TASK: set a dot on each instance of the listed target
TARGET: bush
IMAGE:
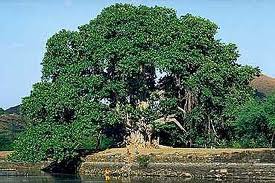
(55, 142)
(5, 142)
(143, 160)
(254, 125)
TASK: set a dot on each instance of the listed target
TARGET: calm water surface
(61, 178)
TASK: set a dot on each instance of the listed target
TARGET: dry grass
(183, 155)
(180, 151)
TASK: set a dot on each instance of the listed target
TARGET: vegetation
(2, 111)
(13, 110)
(10, 127)
(265, 85)
(134, 71)
(255, 123)
(143, 160)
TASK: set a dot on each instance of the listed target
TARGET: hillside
(13, 110)
(264, 84)
(10, 126)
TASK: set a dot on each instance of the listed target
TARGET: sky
(25, 26)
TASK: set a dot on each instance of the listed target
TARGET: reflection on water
(61, 178)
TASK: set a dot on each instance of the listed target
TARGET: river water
(62, 178)
(41, 177)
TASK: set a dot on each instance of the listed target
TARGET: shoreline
(256, 164)
(189, 163)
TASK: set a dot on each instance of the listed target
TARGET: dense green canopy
(133, 68)
(255, 123)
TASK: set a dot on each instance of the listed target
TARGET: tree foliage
(255, 123)
(124, 71)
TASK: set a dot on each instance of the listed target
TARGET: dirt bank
(217, 163)
(13, 168)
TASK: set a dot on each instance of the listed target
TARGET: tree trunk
(190, 100)
(272, 139)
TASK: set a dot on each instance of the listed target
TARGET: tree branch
(171, 118)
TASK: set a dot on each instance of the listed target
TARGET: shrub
(143, 160)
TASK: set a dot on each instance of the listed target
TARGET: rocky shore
(196, 163)
(256, 164)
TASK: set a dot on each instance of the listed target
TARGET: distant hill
(264, 84)
(13, 110)
(10, 126)
(2, 111)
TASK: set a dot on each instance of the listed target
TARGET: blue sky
(27, 24)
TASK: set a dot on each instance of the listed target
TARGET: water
(62, 178)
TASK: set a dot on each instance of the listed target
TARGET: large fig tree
(133, 70)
